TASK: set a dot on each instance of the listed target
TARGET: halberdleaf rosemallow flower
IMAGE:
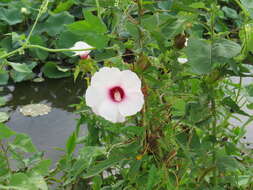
(115, 94)
(182, 60)
(82, 45)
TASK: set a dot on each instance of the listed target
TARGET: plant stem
(43, 48)
(41, 11)
(214, 133)
(244, 10)
(213, 103)
(57, 50)
(139, 3)
(98, 8)
(239, 90)
(11, 53)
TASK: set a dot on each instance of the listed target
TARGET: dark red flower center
(116, 93)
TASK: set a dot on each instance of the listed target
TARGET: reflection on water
(58, 93)
(47, 131)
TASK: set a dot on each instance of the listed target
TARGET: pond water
(51, 130)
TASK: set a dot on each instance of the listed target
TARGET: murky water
(51, 130)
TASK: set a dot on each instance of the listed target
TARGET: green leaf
(4, 77)
(230, 13)
(227, 101)
(95, 22)
(41, 54)
(22, 76)
(67, 39)
(95, 39)
(21, 180)
(227, 163)
(4, 166)
(12, 15)
(90, 152)
(248, 5)
(246, 36)
(42, 167)
(80, 27)
(23, 68)
(3, 117)
(24, 143)
(200, 62)
(71, 143)
(50, 70)
(64, 6)
(2, 101)
(97, 183)
(152, 178)
(165, 5)
(117, 155)
(92, 30)
(198, 5)
(30, 181)
(226, 49)
(55, 23)
(5, 132)
(38, 181)
(132, 29)
(101, 166)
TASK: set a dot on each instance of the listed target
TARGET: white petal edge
(109, 111)
(182, 60)
(132, 104)
(95, 96)
(130, 81)
(107, 77)
(81, 45)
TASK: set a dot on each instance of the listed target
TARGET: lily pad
(39, 79)
(3, 117)
(35, 110)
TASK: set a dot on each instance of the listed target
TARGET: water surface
(51, 130)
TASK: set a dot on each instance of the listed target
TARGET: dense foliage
(182, 139)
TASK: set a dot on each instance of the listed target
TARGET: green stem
(9, 187)
(98, 8)
(245, 11)
(213, 103)
(57, 50)
(41, 11)
(11, 53)
(214, 133)
(239, 90)
(139, 3)
(42, 48)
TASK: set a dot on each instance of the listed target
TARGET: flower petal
(120, 118)
(109, 110)
(132, 104)
(106, 77)
(182, 60)
(130, 81)
(94, 96)
(81, 45)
